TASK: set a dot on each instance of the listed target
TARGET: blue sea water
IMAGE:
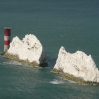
(73, 24)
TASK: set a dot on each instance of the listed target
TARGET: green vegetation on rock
(71, 77)
(16, 58)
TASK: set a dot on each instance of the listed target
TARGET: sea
(73, 24)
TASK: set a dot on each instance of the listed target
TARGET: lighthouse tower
(7, 34)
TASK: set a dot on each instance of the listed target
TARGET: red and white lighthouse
(7, 34)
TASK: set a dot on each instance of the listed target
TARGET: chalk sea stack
(77, 67)
(28, 51)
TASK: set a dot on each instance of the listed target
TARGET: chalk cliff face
(77, 66)
(28, 50)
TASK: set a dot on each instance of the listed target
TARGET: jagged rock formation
(77, 67)
(28, 51)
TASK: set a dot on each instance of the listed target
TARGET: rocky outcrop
(78, 67)
(27, 51)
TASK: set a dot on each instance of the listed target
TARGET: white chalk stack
(29, 50)
(77, 66)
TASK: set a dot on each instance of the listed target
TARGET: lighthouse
(7, 34)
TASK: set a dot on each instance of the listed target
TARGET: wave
(70, 81)
(12, 62)
(55, 81)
